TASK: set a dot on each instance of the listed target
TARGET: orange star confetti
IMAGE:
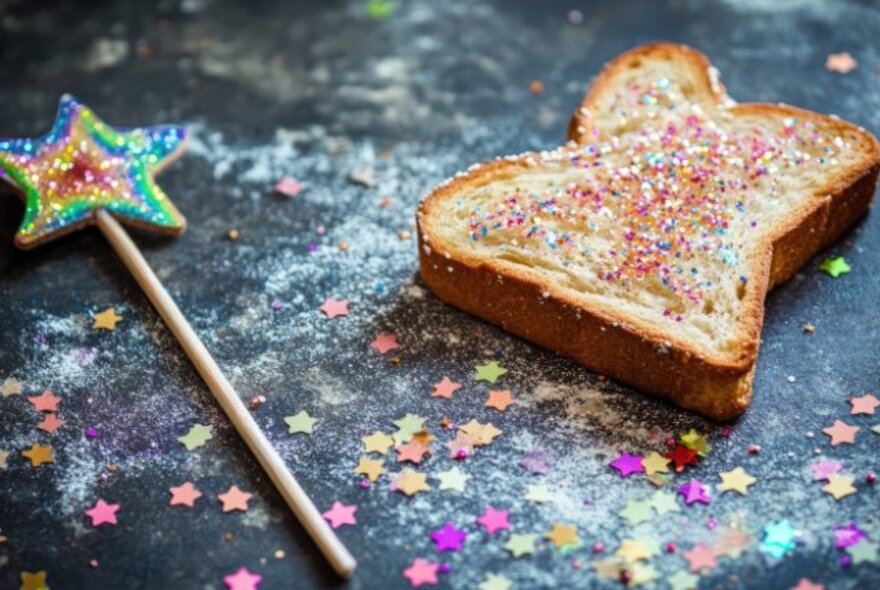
(106, 320)
(500, 400)
(234, 499)
(562, 535)
(481, 434)
(39, 454)
(461, 447)
(410, 482)
(372, 468)
(50, 423)
(412, 451)
(45, 402)
(378, 442)
(841, 432)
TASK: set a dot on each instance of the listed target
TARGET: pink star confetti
(824, 469)
(333, 308)
(448, 538)
(385, 342)
(445, 388)
(806, 584)
(102, 513)
(694, 491)
(842, 63)
(50, 423)
(421, 572)
(700, 558)
(865, 404)
(340, 514)
(289, 187)
(494, 520)
(184, 495)
(45, 402)
(841, 432)
(243, 579)
(628, 464)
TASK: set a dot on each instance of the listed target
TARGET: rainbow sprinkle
(666, 192)
(83, 165)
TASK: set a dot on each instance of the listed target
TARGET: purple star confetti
(628, 464)
(694, 491)
(849, 535)
(448, 538)
(536, 462)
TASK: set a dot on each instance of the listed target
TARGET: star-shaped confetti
(38, 454)
(654, 462)
(737, 480)
(102, 513)
(731, 542)
(410, 482)
(289, 187)
(681, 457)
(520, 545)
(340, 514)
(627, 464)
(849, 535)
(841, 432)
(300, 423)
(481, 434)
(664, 502)
(824, 469)
(636, 511)
(835, 267)
(185, 494)
(700, 558)
(453, 479)
(385, 342)
(33, 581)
(333, 308)
(489, 372)
(445, 388)
(4, 456)
(839, 486)
(500, 400)
(682, 580)
(863, 552)
(45, 402)
(372, 468)
(807, 584)
(865, 404)
(779, 538)
(11, 387)
(537, 493)
(377, 442)
(234, 499)
(633, 550)
(412, 452)
(421, 572)
(449, 538)
(242, 579)
(197, 436)
(461, 447)
(106, 320)
(696, 441)
(562, 535)
(50, 423)
(694, 491)
(407, 427)
(494, 520)
(495, 582)
(842, 63)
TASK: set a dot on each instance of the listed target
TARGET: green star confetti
(835, 267)
(664, 502)
(520, 545)
(490, 372)
(197, 436)
(863, 552)
(300, 423)
(453, 479)
(637, 511)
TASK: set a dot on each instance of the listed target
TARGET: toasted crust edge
(616, 345)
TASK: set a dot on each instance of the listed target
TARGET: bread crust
(623, 347)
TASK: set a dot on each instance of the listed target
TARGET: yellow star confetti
(378, 442)
(197, 436)
(372, 468)
(11, 387)
(4, 455)
(33, 581)
(633, 550)
(654, 462)
(520, 545)
(839, 486)
(106, 320)
(562, 535)
(737, 480)
(696, 441)
(481, 434)
(300, 423)
(642, 574)
(38, 454)
(410, 482)
(495, 582)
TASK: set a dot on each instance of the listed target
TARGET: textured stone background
(316, 90)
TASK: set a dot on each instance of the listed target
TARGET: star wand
(85, 172)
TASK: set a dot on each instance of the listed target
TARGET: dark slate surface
(317, 90)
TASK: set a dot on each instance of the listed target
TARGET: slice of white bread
(645, 247)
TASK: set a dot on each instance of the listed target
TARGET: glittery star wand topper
(86, 172)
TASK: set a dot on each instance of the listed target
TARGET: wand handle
(301, 505)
